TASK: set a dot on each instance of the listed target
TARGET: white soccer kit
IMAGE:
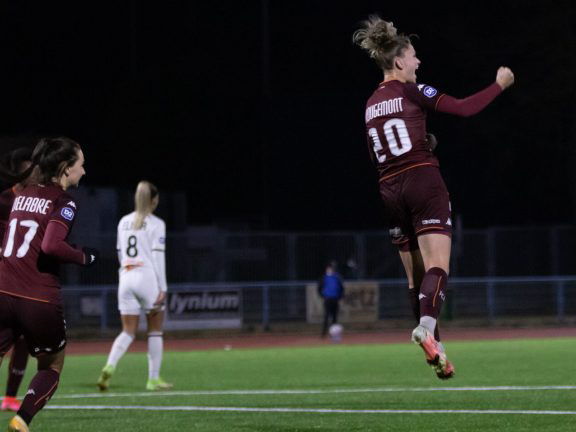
(142, 273)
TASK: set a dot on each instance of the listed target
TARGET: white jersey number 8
(405, 144)
(32, 227)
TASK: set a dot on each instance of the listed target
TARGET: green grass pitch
(326, 388)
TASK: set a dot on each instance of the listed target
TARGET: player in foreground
(16, 161)
(416, 200)
(142, 286)
(34, 245)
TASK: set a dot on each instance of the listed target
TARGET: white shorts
(137, 290)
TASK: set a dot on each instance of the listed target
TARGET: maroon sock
(41, 389)
(433, 292)
(415, 303)
(17, 367)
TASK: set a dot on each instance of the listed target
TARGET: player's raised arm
(478, 101)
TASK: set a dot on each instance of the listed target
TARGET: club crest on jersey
(67, 213)
(429, 91)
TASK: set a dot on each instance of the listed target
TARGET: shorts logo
(430, 91)
(430, 221)
(67, 213)
(71, 204)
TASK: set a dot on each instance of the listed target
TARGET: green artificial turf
(351, 378)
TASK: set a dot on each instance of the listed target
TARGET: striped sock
(41, 389)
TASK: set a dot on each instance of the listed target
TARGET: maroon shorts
(41, 324)
(416, 202)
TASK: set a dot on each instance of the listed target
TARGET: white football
(335, 330)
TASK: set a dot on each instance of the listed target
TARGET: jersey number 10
(392, 128)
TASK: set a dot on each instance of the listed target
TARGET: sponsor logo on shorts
(30, 392)
(430, 221)
(429, 91)
(421, 296)
(449, 222)
(67, 213)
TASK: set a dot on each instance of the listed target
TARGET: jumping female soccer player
(415, 197)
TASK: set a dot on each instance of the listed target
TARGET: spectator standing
(331, 289)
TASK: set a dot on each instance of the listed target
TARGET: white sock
(155, 348)
(119, 348)
(428, 322)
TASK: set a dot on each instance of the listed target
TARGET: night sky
(262, 119)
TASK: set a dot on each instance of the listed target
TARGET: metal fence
(266, 303)
(496, 273)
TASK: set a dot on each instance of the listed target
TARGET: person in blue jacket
(331, 289)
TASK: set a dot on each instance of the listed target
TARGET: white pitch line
(303, 392)
(300, 410)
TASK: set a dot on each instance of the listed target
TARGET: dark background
(255, 108)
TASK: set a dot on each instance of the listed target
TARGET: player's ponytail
(144, 204)
(381, 41)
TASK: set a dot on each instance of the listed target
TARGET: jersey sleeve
(471, 105)
(118, 245)
(424, 96)
(59, 225)
(54, 243)
(64, 211)
(158, 242)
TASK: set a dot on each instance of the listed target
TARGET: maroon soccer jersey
(25, 271)
(6, 199)
(396, 126)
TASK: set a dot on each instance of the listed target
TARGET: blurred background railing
(267, 278)
(263, 304)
